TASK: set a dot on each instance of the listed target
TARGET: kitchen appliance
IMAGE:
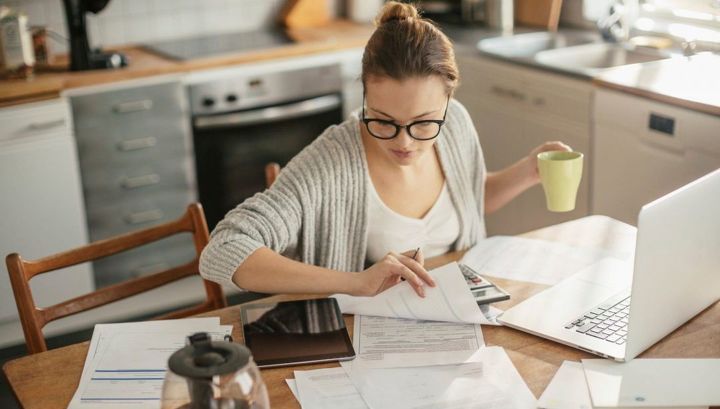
(221, 44)
(244, 121)
(81, 56)
(209, 374)
(41, 210)
(454, 11)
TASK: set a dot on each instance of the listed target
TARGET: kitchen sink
(591, 58)
(527, 45)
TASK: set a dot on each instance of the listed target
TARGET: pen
(413, 257)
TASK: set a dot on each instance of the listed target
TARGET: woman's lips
(401, 154)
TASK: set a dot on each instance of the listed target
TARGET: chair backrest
(272, 170)
(33, 319)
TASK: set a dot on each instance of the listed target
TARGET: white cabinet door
(41, 210)
(515, 109)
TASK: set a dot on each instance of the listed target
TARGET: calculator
(482, 289)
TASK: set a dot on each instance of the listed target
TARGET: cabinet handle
(137, 143)
(133, 106)
(39, 126)
(140, 181)
(505, 92)
(144, 217)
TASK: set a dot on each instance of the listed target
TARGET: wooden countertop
(692, 83)
(48, 83)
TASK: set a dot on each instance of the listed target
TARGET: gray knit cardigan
(316, 211)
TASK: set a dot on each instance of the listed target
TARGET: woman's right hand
(392, 269)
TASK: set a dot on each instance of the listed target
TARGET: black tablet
(296, 332)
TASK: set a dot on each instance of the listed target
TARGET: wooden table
(49, 379)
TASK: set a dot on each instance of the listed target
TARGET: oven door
(232, 149)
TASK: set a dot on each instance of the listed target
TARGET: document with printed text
(383, 342)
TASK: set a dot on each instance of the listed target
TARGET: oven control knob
(231, 98)
(208, 102)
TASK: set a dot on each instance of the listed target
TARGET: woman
(405, 173)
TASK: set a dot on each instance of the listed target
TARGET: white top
(390, 231)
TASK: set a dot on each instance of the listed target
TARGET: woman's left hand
(531, 160)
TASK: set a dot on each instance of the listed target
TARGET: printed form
(126, 363)
(382, 342)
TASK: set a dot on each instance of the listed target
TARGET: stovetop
(220, 44)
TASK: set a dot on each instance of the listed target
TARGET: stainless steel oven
(242, 123)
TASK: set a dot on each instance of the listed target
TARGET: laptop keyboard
(608, 321)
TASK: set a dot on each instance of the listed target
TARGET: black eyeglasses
(420, 130)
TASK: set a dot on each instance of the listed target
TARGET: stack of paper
(412, 364)
(450, 300)
(126, 363)
(490, 380)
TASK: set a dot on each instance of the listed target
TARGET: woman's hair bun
(394, 10)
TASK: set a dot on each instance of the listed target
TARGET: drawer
(161, 255)
(142, 212)
(36, 119)
(138, 105)
(109, 146)
(566, 98)
(688, 130)
(105, 187)
(495, 81)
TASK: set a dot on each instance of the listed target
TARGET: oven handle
(269, 114)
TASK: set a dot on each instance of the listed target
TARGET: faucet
(611, 26)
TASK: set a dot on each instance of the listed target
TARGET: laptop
(618, 309)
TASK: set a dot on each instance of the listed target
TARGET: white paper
(450, 300)
(567, 389)
(383, 342)
(535, 261)
(491, 380)
(126, 363)
(293, 388)
(329, 388)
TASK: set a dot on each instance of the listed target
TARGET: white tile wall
(137, 21)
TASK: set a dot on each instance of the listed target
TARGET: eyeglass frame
(439, 122)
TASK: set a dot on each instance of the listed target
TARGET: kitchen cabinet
(645, 149)
(514, 109)
(352, 88)
(41, 210)
(137, 170)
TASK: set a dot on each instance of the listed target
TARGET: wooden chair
(272, 170)
(33, 319)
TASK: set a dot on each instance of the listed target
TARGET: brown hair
(404, 45)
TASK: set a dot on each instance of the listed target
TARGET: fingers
(416, 254)
(416, 266)
(411, 278)
(556, 146)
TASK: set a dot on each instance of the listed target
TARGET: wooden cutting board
(305, 13)
(538, 13)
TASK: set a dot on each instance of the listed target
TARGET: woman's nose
(404, 137)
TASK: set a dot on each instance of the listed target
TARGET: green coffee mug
(560, 174)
